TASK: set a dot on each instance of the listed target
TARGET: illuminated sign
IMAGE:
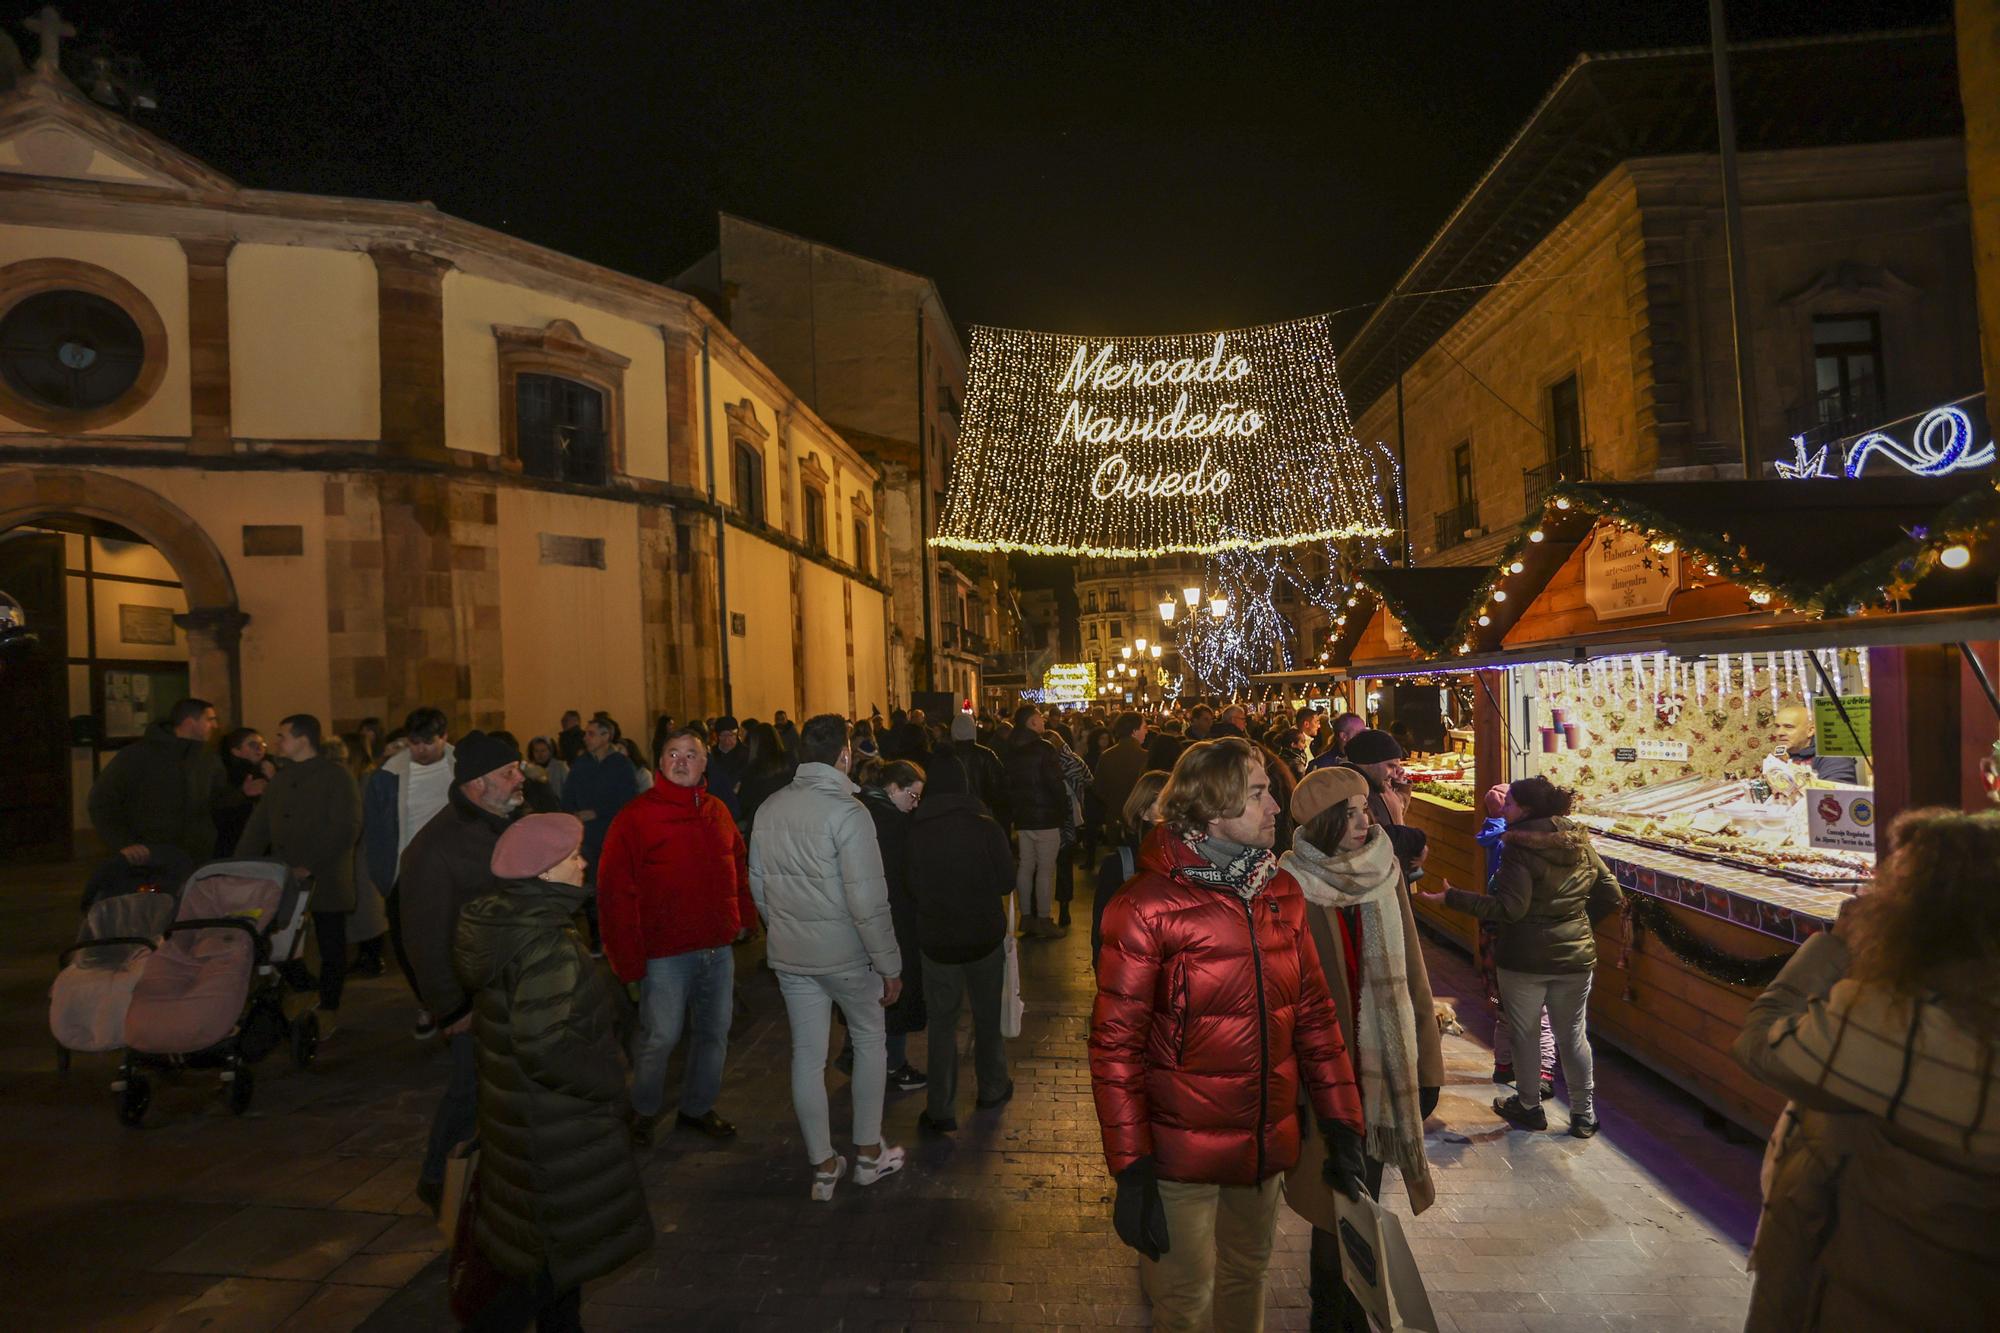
(1941, 443)
(1069, 683)
(1193, 443)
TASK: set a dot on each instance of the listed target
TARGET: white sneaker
(824, 1181)
(886, 1162)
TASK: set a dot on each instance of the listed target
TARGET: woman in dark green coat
(560, 1200)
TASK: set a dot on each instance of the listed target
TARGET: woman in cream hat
(1359, 913)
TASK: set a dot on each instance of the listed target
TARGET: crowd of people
(1264, 1024)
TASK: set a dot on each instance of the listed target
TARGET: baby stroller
(97, 974)
(210, 997)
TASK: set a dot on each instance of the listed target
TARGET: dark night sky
(1137, 168)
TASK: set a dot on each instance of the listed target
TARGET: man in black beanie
(1377, 756)
(446, 866)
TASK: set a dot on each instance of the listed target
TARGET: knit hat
(1324, 788)
(964, 728)
(1372, 747)
(535, 843)
(477, 754)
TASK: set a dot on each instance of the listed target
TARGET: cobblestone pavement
(300, 1214)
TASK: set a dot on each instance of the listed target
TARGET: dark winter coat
(233, 809)
(601, 786)
(558, 1187)
(310, 816)
(1550, 887)
(892, 835)
(1211, 1014)
(725, 774)
(986, 775)
(445, 867)
(674, 877)
(1118, 771)
(1035, 791)
(161, 788)
(960, 873)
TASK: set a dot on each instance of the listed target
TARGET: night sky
(1137, 168)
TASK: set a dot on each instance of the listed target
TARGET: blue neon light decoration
(1941, 443)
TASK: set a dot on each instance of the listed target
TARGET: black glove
(1427, 1100)
(1346, 1164)
(1138, 1216)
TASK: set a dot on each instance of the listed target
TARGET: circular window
(80, 347)
(70, 351)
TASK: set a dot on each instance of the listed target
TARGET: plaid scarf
(1244, 871)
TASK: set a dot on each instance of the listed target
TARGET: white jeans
(809, 1005)
(1035, 869)
(1567, 995)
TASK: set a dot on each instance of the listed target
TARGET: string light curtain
(1130, 447)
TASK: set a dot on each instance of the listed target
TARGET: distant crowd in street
(1264, 1026)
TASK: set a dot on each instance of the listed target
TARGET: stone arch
(213, 622)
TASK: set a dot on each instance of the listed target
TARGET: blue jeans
(809, 1003)
(457, 1117)
(701, 983)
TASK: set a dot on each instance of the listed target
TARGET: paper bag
(1012, 1007)
(1376, 1263)
(459, 1169)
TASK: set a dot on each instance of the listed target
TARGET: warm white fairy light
(1131, 447)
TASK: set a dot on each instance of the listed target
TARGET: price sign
(1625, 754)
(1841, 818)
(1833, 735)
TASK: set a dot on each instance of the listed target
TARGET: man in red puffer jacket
(1212, 1010)
(673, 894)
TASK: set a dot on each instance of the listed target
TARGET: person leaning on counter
(1798, 743)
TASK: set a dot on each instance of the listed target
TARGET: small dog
(1446, 1013)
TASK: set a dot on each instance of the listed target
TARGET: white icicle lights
(1129, 447)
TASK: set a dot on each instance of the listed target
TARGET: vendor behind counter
(1795, 728)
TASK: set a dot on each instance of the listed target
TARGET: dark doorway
(34, 701)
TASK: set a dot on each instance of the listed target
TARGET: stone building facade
(1598, 342)
(1118, 605)
(872, 349)
(382, 457)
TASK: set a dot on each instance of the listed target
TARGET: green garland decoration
(1428, 646)
(1734, 562)
(1713, 963)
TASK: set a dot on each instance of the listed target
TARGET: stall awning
(1428, 600)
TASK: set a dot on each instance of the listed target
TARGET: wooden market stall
(1646, 645)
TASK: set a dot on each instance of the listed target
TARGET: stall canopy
(1856, 561)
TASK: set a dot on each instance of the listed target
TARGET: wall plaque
(146, 624)
(1624, 577)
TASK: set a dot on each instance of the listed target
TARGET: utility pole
(1732, 231)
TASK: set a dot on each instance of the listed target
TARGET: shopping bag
(459, 1170)
(1012, 1007)
(1377, 1265)
(471, 1280)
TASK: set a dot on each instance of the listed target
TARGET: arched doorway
(65, 536)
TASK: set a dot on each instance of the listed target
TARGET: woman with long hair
(766, 769)
(1882, 1179)
(1121, 863)
(891, 792)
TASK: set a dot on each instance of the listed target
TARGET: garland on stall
(1970, 521)
(1727, 557)
(1643, 913)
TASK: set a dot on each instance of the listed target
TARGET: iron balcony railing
(1457, 525)
(1536, 482)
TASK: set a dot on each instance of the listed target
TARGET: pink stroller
(209, 997)
(98, 973)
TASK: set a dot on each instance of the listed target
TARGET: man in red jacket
(1211, 1011)
(673, 894)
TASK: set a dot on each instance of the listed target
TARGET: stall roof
(1828, 544)
(1836, 551)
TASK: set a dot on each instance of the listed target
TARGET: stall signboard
(1841, 818)
(1833, 735)
(1070, 683)
(1624, 577)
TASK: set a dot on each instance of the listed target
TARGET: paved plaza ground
(300, 1214)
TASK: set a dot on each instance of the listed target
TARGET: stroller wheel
(133, 1099)
(241, 1089)
(305, 1040)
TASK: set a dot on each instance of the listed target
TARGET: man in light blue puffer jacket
(816, 875)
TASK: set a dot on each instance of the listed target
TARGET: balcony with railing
(1839, 413)
(1536, 482)
(1458, 525)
